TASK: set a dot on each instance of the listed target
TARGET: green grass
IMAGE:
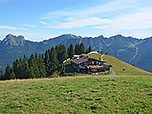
(83, 95)
(118, 66)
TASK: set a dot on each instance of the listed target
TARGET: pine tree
(90, 49)
(70, 51)
(32, 75)
(25, 68)
(82, 48)
(34, 66)
(47, 61)
(31, 60)
(87, 50)
(17, 68)
(7, 72)
(56, 49)
(36, 58)
(41, 65)
(53, 60)
(77, 49)
(31, 66)
(2, 74)
(62, 54)
(12, 75)
(57, 52)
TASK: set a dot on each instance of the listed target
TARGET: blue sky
(43, 19)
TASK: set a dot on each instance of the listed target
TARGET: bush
(55, 74)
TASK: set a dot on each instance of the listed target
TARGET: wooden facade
(90, 65)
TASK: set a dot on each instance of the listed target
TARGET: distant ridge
(131, 50)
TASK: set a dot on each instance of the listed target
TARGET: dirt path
(113, 73)
(136, 53)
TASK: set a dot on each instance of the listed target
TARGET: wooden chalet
(90, 65)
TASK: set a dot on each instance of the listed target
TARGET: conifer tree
(56, 49)
(87, 50)
(7, 72)
(77, 49)
(12, 75)
(2, 74)
(17, 68)
(34, 66)
(90, 49)
(25, 68)
(36, 58)
(47, 61)
(53, 60)
(82, 48)
(57, 52)
(31, 74)
(41, 65)
(62, 54)
(70, 51)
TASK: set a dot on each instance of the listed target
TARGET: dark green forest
(42, 65)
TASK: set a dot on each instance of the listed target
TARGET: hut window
(97, 62)
(92, 62)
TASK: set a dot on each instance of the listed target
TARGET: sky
(37, 20)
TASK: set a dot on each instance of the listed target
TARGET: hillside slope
(120, 67)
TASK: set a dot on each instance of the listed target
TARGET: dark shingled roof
(84, 59)
(81, 60)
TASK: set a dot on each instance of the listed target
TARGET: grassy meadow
(77, 95)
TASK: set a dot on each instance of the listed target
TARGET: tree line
(42, 66)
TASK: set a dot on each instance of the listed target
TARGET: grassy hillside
(83, 95)
(118, 66)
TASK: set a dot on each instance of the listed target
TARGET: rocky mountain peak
(13, 40)
(69, 36)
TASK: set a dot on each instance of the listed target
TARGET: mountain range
(137, 52)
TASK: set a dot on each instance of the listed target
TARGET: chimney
(102, 57)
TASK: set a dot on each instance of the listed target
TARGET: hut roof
(81, 60)
(84, 59)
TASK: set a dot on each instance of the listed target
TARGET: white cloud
(12, 28)
(118, 16)
(42, 22)
(56, 14)
(33, 36)
(114, 5)
(80, 23)
(29, 25)
(92, 16)
(133, 21)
